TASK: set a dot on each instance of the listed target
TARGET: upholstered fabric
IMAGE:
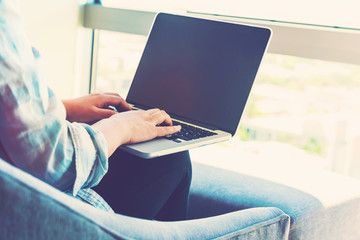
(32, 209)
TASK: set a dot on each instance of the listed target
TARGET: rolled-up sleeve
(34, 133)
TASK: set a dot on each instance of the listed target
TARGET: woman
(53, 140)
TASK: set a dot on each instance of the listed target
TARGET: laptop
(200, 72)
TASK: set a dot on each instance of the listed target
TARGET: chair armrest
(32, 209)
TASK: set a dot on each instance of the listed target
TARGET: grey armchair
(223, 205)
(32, 209)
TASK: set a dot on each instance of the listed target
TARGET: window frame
(301, 40)
(309, 41)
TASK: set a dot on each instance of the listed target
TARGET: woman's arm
(118, 128)
(134, 126)
(94, 107)
(35, 135)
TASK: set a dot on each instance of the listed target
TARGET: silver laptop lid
(199, 70)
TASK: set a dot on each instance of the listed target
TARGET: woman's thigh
(148, 188)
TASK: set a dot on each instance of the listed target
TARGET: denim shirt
(34, 133)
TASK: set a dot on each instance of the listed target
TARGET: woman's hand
(94, 107)
(134, 127)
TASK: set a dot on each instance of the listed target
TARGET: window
(302, 112)
(320, 12)
(116, 66)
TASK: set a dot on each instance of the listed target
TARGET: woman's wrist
(68, 108)
(114, 135)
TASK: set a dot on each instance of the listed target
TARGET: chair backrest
(32, 209)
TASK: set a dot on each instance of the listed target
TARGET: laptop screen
(198, 69)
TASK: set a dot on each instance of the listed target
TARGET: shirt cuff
(91, 151)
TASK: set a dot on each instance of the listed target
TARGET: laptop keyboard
(188, 132)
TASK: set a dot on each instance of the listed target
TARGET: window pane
(319, 12)
(154, 5)
(300, 111)
(117, 65)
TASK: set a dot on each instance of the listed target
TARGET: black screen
(199, 69)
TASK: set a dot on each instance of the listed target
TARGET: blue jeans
(148, 188)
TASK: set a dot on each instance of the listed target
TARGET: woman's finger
(104, 113)
(116, 101)
(163, 131)
(159, 117)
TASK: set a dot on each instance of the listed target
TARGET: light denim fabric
(332, 213)
(35, 135)
(31, 209)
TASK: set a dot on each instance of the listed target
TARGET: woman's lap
(148, 188)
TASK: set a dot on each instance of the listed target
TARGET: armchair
(32, 209)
